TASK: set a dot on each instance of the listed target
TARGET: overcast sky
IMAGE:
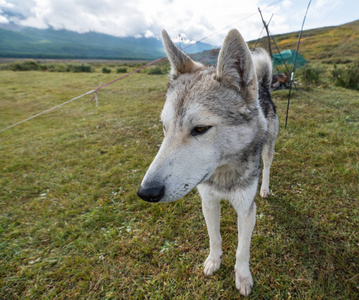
(194, 19)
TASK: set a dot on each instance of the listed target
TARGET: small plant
(155, 71)
(57, 68)
(80, 68)
(121, 70)
(347, 77)
(43, 67)
(105, 70)
(28, 65)
(309, 75)
(283, 69)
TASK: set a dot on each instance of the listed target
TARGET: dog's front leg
(246, 221)
(212, 213)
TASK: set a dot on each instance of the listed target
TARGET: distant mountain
(28, 42)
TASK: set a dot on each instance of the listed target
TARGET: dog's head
(207, 119)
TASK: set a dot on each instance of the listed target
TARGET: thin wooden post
(268, 37)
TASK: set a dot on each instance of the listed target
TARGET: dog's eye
(200, 130)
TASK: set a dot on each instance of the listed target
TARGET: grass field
(72, 227)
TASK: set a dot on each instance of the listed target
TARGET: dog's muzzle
(151, 194)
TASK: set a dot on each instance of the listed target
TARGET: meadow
(72, 226)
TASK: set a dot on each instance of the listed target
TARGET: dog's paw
(264, 193)
(244, 284)
(211, 265)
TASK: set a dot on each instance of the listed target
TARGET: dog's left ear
(235, 67)
(181, 63)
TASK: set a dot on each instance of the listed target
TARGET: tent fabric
(288, 57)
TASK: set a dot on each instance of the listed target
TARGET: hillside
(27, 42)
(337, 44)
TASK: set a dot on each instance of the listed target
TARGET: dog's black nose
(151, 194)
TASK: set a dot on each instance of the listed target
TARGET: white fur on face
(183, 160)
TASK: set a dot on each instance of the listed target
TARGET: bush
(347, 77)
(31, 65)
(155, 71)
(56, 68)
(105, 70)
(28, 65)
(282, 69)
(121, 70)
(43, 67)
(79, 68)
(309, 75)
(5, 67)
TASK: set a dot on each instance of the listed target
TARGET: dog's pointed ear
(235, 66)
(181, 63)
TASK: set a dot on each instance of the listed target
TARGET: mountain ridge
(28, 42)
(331, 44)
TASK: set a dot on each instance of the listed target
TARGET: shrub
(31, 65)
(43, 67)
(55, 68)
(309, 75)
(28, 65)
(121, 70)
(79, 68)
(155, 71)
(6, 67)
(347, 77)
(283, 69)
(105, 70)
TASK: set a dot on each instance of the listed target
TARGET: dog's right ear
(181, 63)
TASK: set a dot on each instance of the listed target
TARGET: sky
(192, 19)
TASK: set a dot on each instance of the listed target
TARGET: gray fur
(180, 63)
(231, 104)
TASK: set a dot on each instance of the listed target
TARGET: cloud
(196, 19)
(143, 18)
(287, 3)
(149, 34)
(4, 3)
(3, 19)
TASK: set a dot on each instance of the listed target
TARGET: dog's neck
(240, 171)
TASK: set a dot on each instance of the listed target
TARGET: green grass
(71, 225)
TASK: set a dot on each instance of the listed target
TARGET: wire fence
(94, 91)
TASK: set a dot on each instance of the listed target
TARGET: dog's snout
(151, 194)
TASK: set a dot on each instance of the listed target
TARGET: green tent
(287, 56)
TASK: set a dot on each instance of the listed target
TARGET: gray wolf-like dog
(218, 122)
